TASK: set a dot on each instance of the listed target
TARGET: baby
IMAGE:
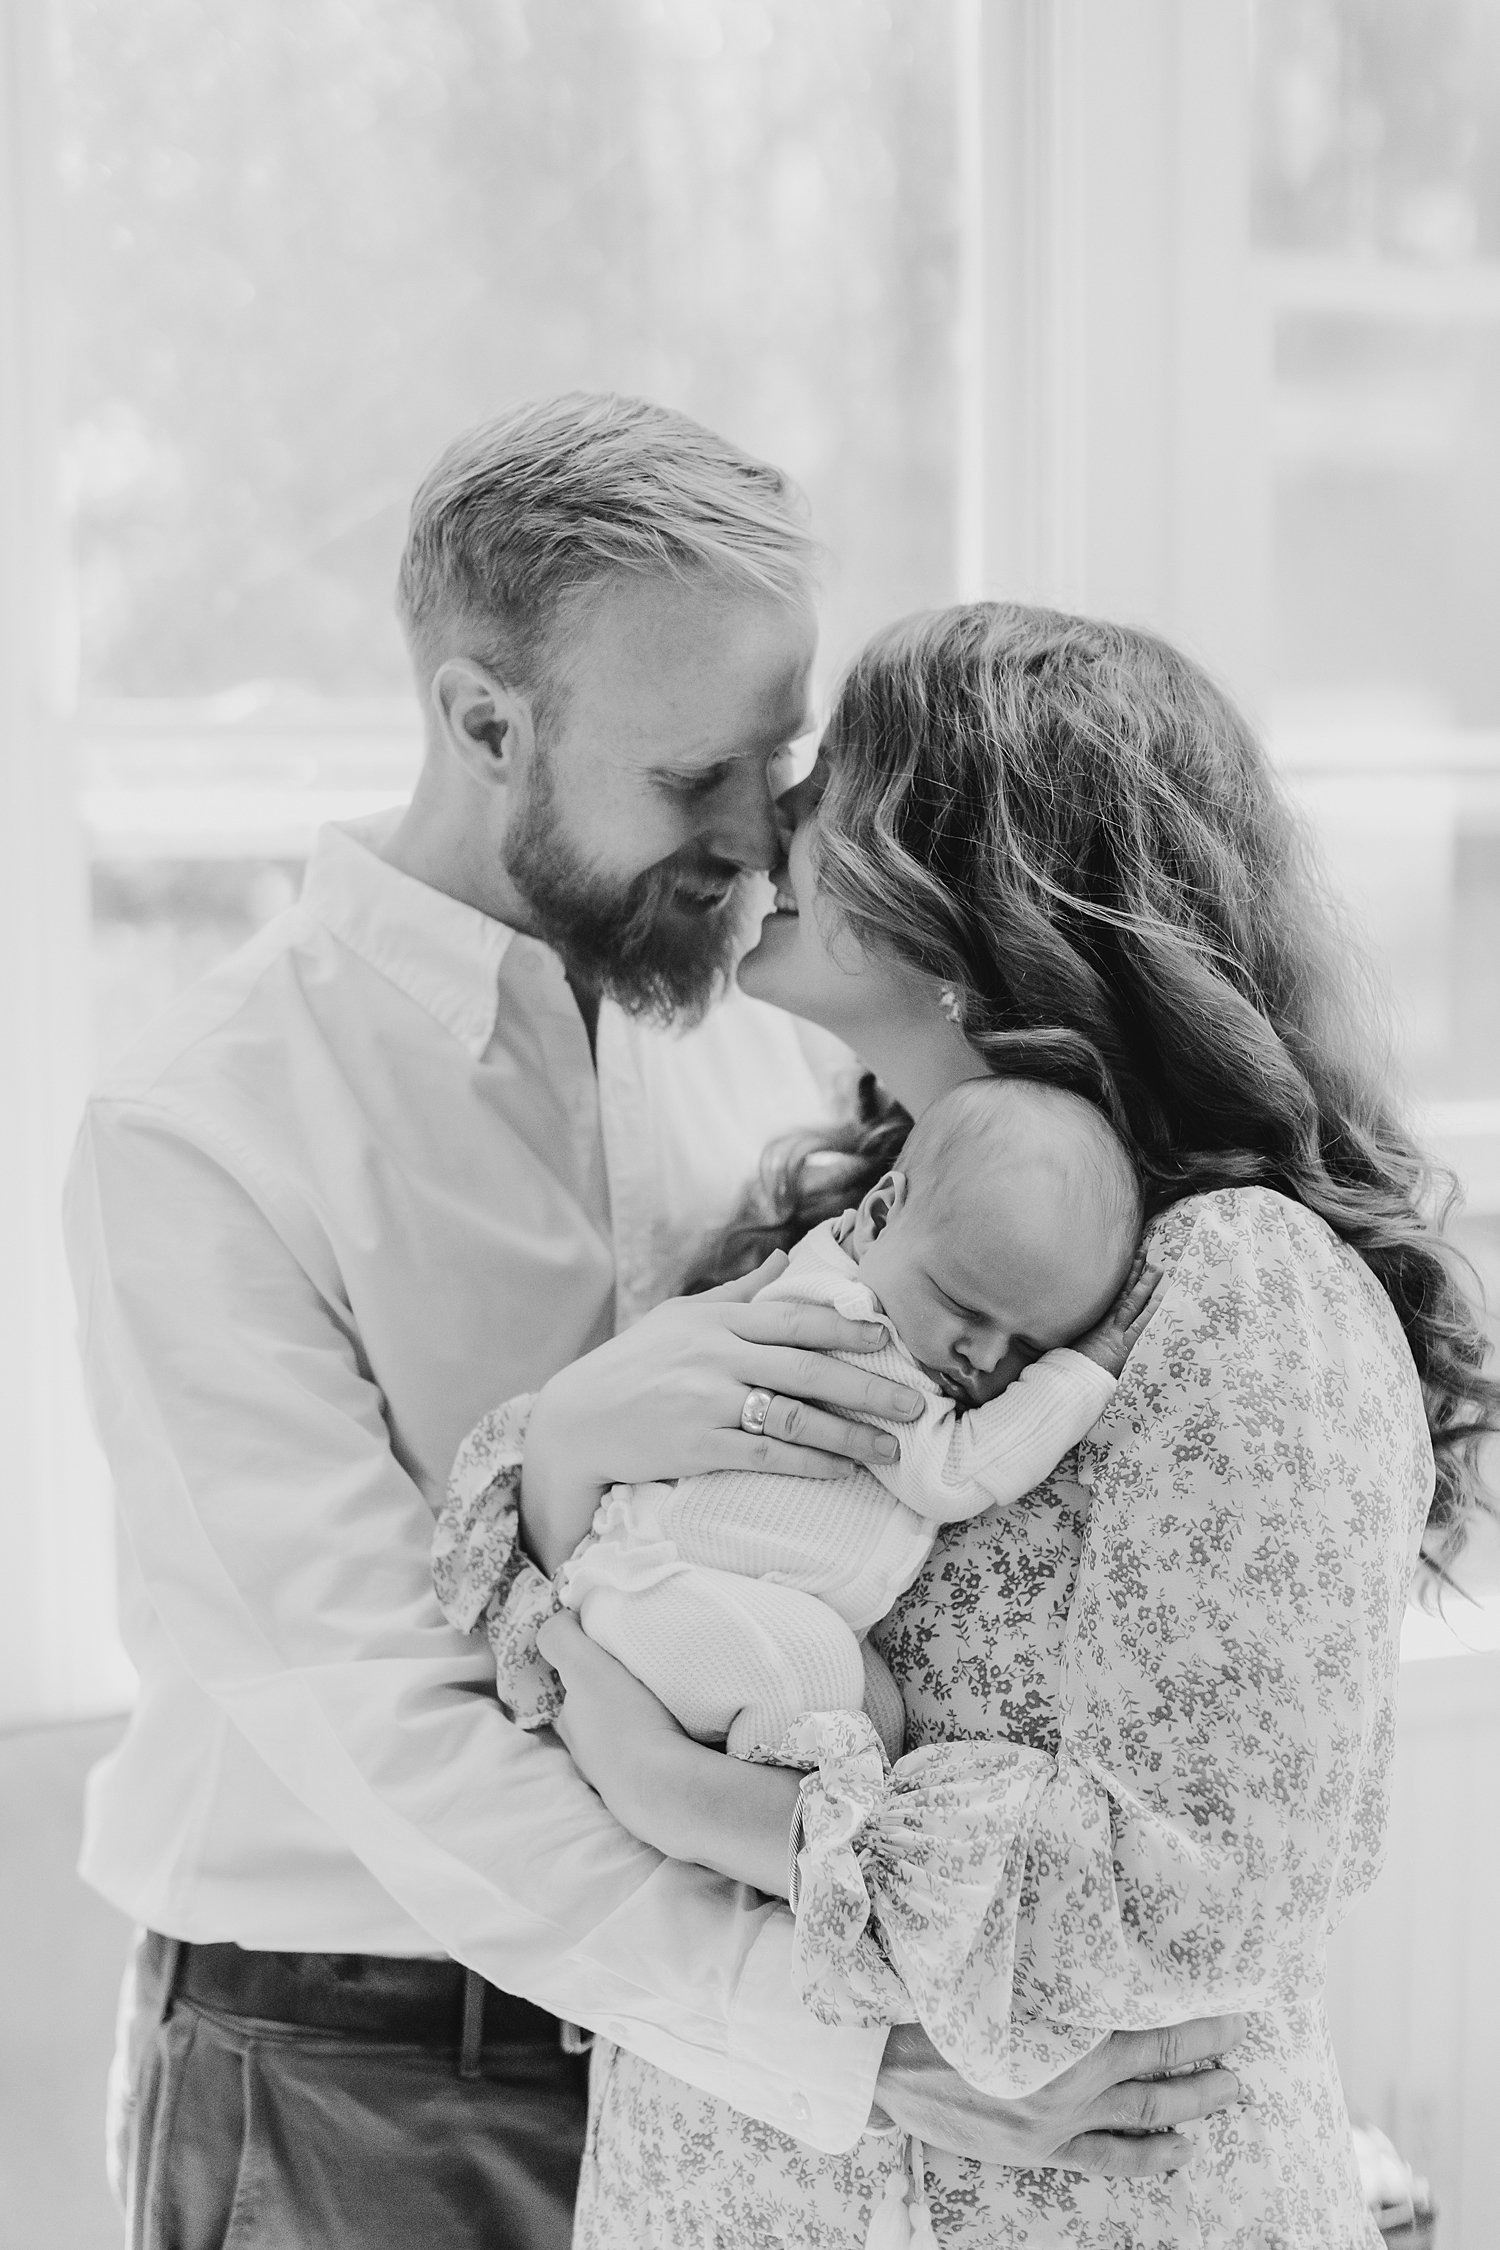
(1001, 1258)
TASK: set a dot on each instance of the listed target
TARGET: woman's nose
(800, 802)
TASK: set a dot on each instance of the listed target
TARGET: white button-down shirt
(362, 1183)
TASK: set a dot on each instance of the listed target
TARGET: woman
(1049, 847)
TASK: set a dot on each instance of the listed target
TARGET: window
(1377, 224)
(1119, 309)
(1185, 313)
(303, 247)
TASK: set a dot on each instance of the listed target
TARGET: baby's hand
(1110, 1343)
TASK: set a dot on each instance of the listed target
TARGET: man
(425, 1141)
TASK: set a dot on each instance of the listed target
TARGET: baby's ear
(879, 1207)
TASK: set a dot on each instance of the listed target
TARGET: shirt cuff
(813, 2080)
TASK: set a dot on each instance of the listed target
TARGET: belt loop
(471, 2038)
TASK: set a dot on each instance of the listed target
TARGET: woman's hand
(613, 1727)
(1114, 2112)
(676, 1794)
(665, 1400)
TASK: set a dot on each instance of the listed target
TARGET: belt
(409, 2003)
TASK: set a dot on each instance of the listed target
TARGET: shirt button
(614, 2032)
(801, 2109)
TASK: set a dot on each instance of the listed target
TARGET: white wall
(1414, 1975)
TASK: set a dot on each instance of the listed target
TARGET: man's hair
(522, 514)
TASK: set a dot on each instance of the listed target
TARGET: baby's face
(979, 1285)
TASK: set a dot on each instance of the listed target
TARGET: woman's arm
(1110, 2111)
(1218, 1792)
(664, 1400)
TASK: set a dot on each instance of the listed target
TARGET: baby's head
(1008, 1229)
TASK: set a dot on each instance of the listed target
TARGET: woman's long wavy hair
(1071, 826)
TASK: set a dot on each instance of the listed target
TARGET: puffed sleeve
(1220, 1787)
(483, 1576)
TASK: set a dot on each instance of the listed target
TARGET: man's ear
(879, 1207)
(488, 726)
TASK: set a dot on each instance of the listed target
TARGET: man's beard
(630, 939)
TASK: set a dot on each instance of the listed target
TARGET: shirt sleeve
(955, 1465)
(1219, 1788)
(284, 1550)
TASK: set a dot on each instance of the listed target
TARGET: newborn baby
(1002, 1259)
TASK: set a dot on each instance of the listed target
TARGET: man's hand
(1112, 2113)
(665, 1398)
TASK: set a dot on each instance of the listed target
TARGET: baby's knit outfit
(741, 1597)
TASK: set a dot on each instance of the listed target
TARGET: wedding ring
(754, 1411)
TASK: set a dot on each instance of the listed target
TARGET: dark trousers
(342, 2102)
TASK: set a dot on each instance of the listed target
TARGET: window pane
(160, 923)
(306, 245)
(1378, 187)
(1377, 214)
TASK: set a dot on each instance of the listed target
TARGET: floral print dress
(1150, 1723)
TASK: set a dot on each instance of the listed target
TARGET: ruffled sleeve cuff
(483, 1577)
(844, 1974)
(908, 1892)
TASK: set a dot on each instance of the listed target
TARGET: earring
(949, 1003)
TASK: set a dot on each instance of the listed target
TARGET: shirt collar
(444, 955)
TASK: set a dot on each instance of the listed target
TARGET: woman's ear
(487, 726)
(875, 1214)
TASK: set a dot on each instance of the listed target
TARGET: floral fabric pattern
(1151, 1710)
(844, 1969)
(908, 1895)
(481, 1573)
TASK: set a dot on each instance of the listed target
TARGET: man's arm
(285, 1551)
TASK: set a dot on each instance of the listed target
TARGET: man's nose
(745, 829)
